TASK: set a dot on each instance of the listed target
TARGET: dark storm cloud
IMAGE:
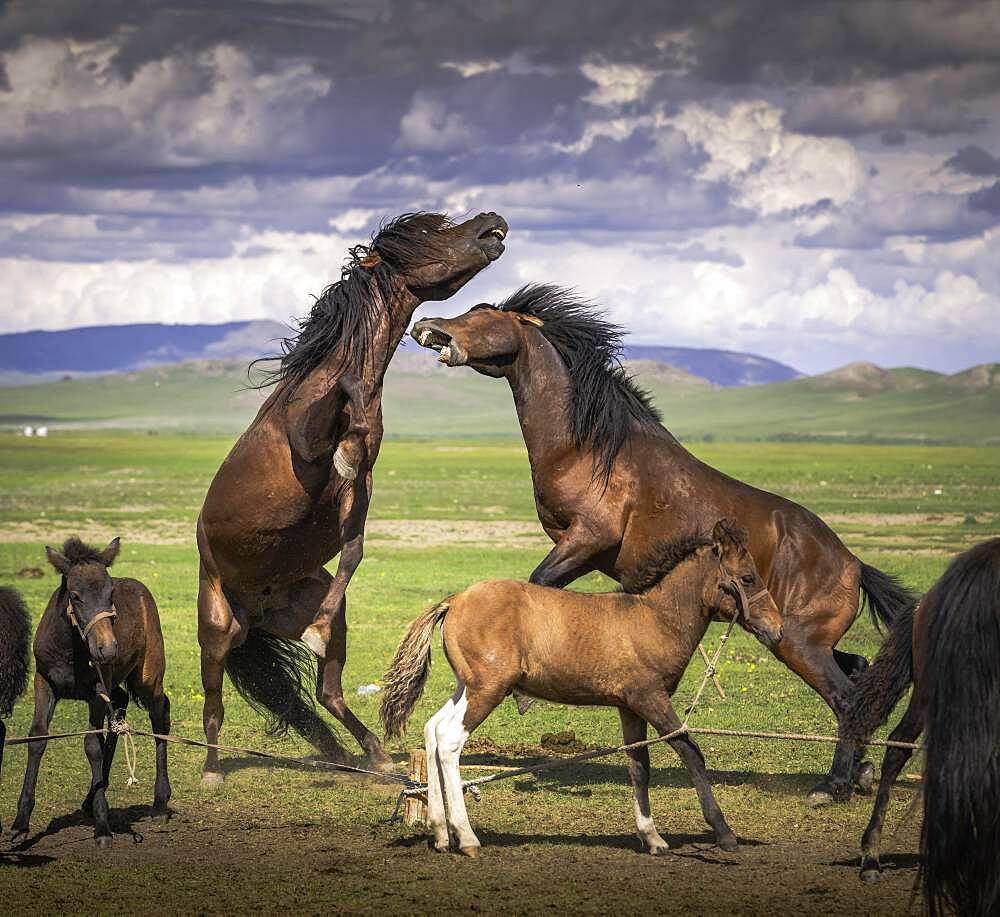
(974, 160)
(190, 124)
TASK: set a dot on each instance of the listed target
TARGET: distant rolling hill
(46, 355)
(727, 368)
(858, 402)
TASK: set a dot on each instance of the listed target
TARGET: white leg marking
(451, 738)
(436, 819)
(647, 830)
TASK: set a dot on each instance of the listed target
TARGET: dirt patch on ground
(207, 860)
(409, 533)
(903, 519)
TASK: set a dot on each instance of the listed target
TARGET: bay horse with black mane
(294, 490)
(949, 649)
(98, 634)
(610, 480)
(15, 640)
(609, 649)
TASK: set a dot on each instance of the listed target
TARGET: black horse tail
(884, 595)
(879, 688)
(15, 640)
(960, 838)
(275, 676)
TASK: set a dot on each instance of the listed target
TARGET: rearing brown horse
(610, 480)
(294, 490)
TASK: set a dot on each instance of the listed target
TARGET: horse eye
(424, 231)
(748, 579)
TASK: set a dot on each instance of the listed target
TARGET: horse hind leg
(437, 819)
(217, 632)
(853, 666)
(634, 730)
(910, 726)
(470, 708)
(330, 693)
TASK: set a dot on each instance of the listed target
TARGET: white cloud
(473, 67)
(616, 84)
(167, 112)
(429, 126)
(772, 170)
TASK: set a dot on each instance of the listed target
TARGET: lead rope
(117, 723)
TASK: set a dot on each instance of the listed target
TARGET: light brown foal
(601, 649)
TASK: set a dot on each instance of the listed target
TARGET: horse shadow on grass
(700, 847)
(575, 779)
(121, 821)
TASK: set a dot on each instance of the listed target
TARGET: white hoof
(344, 468)
(312, 638)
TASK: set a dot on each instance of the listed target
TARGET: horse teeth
(424, 335)
(445, 355)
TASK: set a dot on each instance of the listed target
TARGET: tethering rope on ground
(119, 726)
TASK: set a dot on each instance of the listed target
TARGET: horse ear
(722, 535)
(57, 560)
(528, 319)
(109, 554)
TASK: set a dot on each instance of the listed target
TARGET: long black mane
(661, 559)
(344, 315)
(605, 402)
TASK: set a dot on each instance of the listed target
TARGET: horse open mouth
(435, 339)
(493, 236)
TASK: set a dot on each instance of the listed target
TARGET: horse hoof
(160, 814)
(315, 640)
(438, 846)
(819, 798)
(212, 780)
(659, 850)
(871, 875)
(472, 852)
(866, 778)
(18, 838)
(343, 465)
(729, 843)
(103, 842)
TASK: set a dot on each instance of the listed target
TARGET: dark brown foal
(98, 632)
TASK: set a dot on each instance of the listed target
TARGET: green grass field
(447, 513)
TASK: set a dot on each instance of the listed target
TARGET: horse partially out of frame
(948, 648)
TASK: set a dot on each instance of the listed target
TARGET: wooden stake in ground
(415, 807)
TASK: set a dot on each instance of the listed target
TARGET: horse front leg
(45, 705)
(634, 730)
(570, 558)
(96, 803)
(352, 513)
(351, 449)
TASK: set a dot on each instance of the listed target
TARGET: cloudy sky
(814, 181)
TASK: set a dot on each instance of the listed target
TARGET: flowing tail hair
(275, 677)
(880, 687)
(960, 838)
(15, 639)
(407, 675)
(885, 596)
